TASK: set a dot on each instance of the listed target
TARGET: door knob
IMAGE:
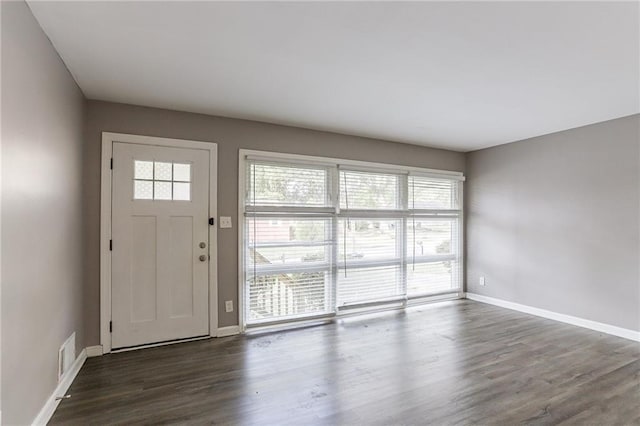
(203, 244)
(202, 258)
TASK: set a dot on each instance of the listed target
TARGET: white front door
(160, 244)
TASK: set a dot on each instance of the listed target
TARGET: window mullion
(335, 192)
(401, 236)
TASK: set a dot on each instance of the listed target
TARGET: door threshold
(153, 345)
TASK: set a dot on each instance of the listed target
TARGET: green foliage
(368, 190)
(287, 185)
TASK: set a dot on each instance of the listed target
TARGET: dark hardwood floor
(458, 362)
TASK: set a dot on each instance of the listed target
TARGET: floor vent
(66, 355)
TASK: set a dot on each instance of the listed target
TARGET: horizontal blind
(424, 279)
(432, 255)
(273, 184)
(322, 236)
(433, 243)
(427, 193)
(369, 191)
(369, 260)
(370, 256)
(287, 255)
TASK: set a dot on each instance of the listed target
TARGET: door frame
(108, 139)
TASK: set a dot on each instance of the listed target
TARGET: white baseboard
(63, 385)
(231, 330)
(94, 351)
(580, 322)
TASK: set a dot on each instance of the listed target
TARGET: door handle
(203, 258)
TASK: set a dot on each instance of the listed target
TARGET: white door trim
(105, 224)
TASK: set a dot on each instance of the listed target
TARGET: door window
(157, 180)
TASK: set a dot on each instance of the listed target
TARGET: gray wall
(553, 222)
(42, 142)
(231, 135)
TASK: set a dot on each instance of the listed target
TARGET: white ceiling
(457, 75)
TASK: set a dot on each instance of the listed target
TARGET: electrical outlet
(228, 305)
(482, 281)
(225, 222)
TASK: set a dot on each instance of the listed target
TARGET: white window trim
(278, 157)
(108, 139)
(355, 165)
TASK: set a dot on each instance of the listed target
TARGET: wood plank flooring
(459, 362)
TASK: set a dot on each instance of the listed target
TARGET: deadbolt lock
(203, 244)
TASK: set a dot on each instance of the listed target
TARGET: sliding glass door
(320, 236)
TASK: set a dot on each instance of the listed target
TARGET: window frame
(336, 213)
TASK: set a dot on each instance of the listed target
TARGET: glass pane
(274, 185)
(431, 237)
(162, 190)
(429, 193)
(359, 190)
(143, 170)
(287, 295)
(142, 190)
(369, 284)
(425, 278)
(182, 191)
(278, 241)
(162, 171)
(182, 172)
(367, 240)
